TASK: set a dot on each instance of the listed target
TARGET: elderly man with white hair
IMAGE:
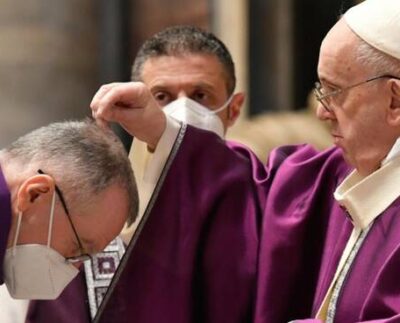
(329, 223)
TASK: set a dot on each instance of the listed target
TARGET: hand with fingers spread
(133, 107)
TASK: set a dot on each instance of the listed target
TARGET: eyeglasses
(83, 256)
(322, 97)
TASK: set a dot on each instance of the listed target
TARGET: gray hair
(83, 158)
(377, 61)
(183, 40)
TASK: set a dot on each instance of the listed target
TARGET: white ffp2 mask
(34, 271)
(195, 114)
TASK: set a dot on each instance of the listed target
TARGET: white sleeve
(12, 310)
(159, 157)
(147, 168)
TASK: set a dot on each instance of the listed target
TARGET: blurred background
(54, 54)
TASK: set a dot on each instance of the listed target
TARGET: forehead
(189, 70)
(104, 217)
(338, 62)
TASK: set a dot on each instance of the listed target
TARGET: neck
(367, 170)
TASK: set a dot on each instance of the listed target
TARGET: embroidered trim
(99, 272)
(343, 274)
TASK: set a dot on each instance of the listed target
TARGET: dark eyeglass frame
(83, 256)
(321, 96)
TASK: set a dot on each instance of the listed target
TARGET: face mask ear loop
(53, 202)
(227, 102)
(17, 230)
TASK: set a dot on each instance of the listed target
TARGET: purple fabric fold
(5, 220)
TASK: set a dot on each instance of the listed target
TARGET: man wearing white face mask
(56, 187)
(191, 75)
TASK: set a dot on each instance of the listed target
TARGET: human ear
(234, 108)
(32, 189)
(394, 111)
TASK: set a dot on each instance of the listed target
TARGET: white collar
(367, 197)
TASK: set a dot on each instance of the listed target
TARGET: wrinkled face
(359, 116)
(96, 223)
(200, 77)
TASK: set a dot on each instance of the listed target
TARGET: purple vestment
(303, 236)
(5, 220)
(72, 306)
(227, 239)
(195, 256)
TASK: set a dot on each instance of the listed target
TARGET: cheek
(362, 111)
(360, 129)
(368, 133)
(62, 238)
(223, 116)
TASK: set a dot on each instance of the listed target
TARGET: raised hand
(133, 107)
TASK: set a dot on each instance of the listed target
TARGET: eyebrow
(166, 86)
(159, 87)
(205, 86)
(328, 83)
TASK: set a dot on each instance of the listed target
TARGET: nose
(323, 114)
(182, 94)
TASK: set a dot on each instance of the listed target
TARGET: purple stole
(5, 220)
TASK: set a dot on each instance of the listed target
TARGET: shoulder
(307, 157)
(304, 167)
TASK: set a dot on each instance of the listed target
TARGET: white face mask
(35, 271)
(193, 113)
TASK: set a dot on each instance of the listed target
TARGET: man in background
(191, 75)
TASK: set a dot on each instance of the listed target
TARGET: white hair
(379, 62)
(83, 159)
